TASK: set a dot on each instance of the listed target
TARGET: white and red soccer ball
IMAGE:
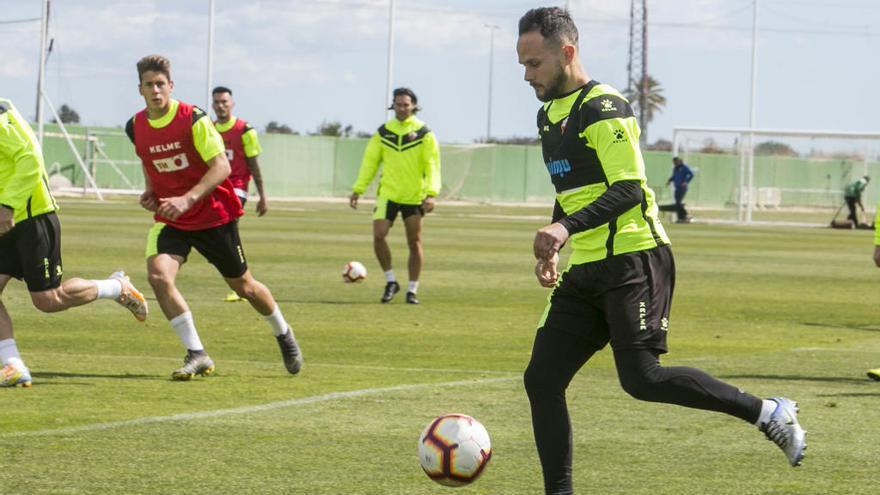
(454, 449)
(354, 271)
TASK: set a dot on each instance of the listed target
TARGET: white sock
(389, 276)
(186, 329)
(767, 408)
(8, 350)
(276, 321)
(413, 286)
(109, 288)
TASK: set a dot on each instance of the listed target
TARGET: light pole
(492, 29)
(390, 67)
(208, 98)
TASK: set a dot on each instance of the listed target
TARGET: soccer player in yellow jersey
(618, 285)
(410, 159)
(30, 243)
(874, 374)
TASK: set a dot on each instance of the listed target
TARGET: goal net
(90, 162)
(774, 176)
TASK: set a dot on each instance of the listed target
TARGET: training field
(774, 311)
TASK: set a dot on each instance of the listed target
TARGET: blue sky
(302, 62)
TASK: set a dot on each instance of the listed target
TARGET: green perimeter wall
(317, 166)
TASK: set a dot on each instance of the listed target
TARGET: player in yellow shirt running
(30, 243)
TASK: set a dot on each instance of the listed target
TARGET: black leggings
(557, 357)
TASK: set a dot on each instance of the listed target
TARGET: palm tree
(654, 103)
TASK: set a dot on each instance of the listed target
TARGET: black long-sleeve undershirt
(617, 199)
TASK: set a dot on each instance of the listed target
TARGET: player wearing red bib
(186, 174)
(242, 149)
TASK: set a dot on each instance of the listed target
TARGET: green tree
(277, 128)
(68, 115)
(333, 128)
(774, 148)
(654, 103)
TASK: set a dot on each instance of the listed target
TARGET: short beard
(555, 88)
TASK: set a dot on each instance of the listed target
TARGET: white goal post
(747, 196)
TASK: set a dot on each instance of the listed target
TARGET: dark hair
(405, 92)
(221, 89)
(552, 22)
(154, 63)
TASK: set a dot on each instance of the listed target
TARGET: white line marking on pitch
(248, 409)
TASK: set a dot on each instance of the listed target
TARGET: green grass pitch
(774, 311)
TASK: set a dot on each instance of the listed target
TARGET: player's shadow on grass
(59, 374)
(800, 378)
(851, 394)
(866, 327)
(346, 302)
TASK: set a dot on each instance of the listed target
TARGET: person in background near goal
(187, 187)
(410, 181)
(30, 243)
(242, 149)
(618, 285)
(852, 194)
(874, 374)
(681, 177)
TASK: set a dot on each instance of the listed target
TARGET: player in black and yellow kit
(619, 282)
(30, 243)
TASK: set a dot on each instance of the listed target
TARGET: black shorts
(387, 210)
(31, 251)
(221, 246)
(624, 299)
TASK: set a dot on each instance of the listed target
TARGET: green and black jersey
(590, 141)
(24, 186)
(410, 159)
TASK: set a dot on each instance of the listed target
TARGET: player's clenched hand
(7, 219)
(172, 208)
(546, 272)
(877, 255)
(353, 200)
(549, 239)
(148, 201)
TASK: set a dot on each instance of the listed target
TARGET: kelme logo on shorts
(172, 164)
(620, 136)
(643, 314)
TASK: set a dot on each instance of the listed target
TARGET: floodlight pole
(210, 53)
(752, 113)
(492, 29)
(44, 34)
(390, 64)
